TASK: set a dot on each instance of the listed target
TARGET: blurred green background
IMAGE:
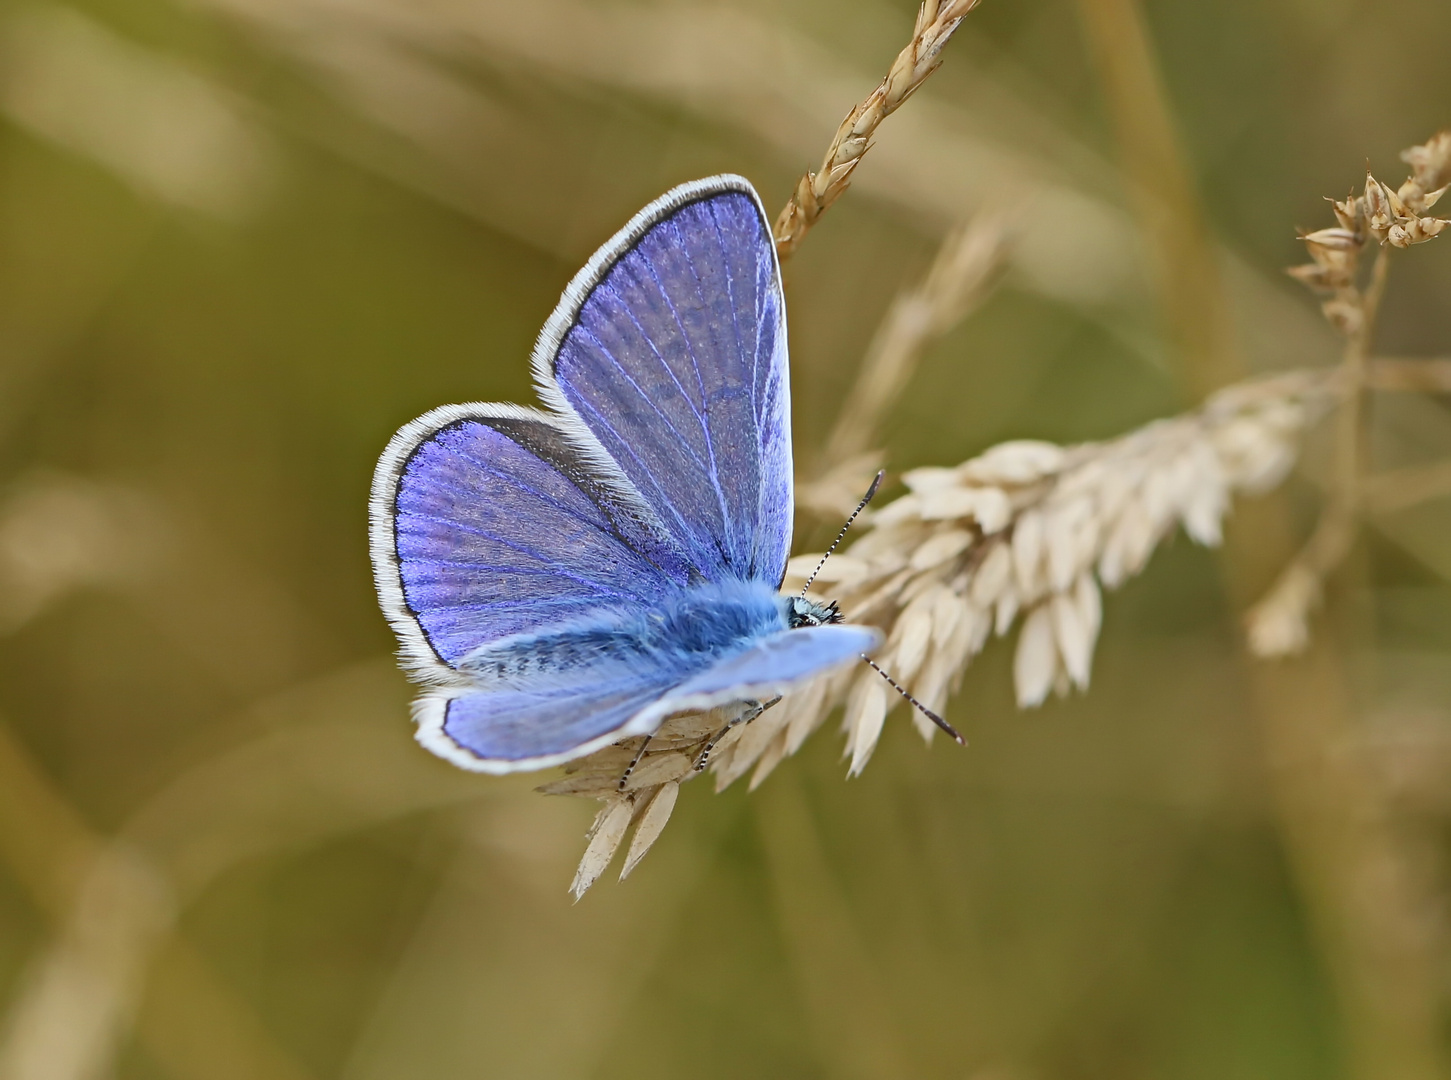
(242, 241)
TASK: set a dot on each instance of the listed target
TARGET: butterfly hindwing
(670, 347)
(503, 729)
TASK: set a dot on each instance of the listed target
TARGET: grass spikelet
(866, 712)
(1035, 664)
(936, 23)
(1279, 624)
(1060, 521)
(651, 823)
(605, 836)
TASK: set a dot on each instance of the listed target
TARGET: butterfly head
(803, 612)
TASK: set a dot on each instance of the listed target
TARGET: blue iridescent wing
(670, 348)
(486, 522)
(774, 664)
(508, 729)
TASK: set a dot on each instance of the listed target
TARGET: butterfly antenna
(943, 724)
(871, 491)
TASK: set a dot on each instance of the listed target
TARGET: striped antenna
(925, 711)
(871, 491)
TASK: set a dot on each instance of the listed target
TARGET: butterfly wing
(669, 348)
(486, 521)
(509, 729)
(773, 665)
(500, 730)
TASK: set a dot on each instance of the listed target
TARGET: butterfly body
(560, 579)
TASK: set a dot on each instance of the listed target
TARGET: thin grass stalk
(1163, 194)
(962, 273)
(937, 21)
(1429, 376)
(1351, 437)
(1366, 903)
(1363, 899)
(1400, 489)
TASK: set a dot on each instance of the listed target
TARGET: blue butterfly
(564, 578)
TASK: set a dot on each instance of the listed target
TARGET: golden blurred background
(242, 241)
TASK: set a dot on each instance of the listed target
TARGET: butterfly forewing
(672, 351)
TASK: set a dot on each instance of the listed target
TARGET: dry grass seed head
(936, 23)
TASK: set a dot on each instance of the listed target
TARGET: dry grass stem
(1390, 219)
(1400, 489)
(936, 23)
(961, 276)
(1429, 376)
(1162, 194)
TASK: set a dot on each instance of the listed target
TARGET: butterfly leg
(625, 776)
(752, 710)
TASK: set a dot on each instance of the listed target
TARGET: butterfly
(563, 578)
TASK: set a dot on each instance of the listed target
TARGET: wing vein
(658, 355)
(604, 529)
(521, 549)
(684, 525)
(646, 398)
